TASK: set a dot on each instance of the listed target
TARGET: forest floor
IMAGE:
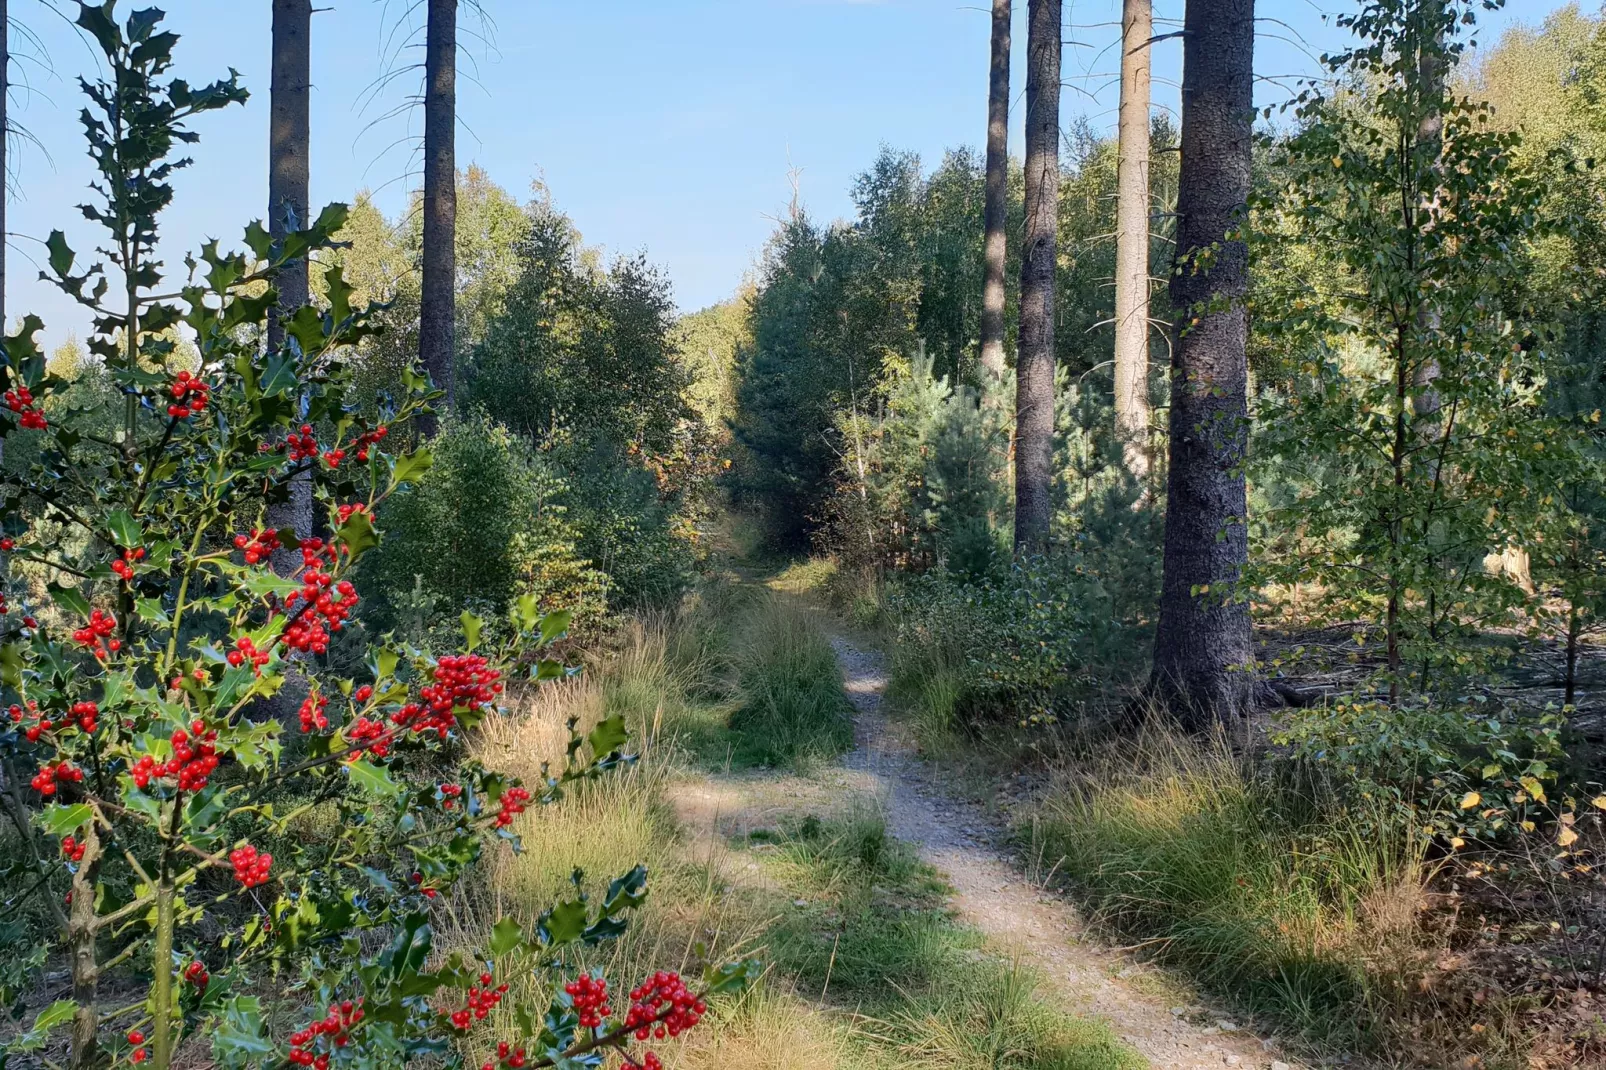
(986, 886)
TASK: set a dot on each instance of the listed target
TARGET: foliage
(203, 849)
(487, 528)
(1419, 382)
(792, 710)
(1450, 771)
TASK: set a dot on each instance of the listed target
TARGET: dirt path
(991, 894)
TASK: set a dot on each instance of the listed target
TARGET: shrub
(488, 527)
(204, 852)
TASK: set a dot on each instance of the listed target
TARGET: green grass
(1237, 880)
(873, 936)
(791, 709)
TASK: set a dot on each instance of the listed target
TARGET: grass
(871, 974)
(792, 711)
(1242, 882)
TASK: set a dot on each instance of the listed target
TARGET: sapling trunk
(81, 925)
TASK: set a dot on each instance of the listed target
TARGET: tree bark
(1132, 241)
(5, 136)
(438, 312)
(1429, 144)
(1034, 363)
(996, 197)
(1202, 649)
(289, 149)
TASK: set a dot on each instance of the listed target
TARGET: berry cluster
(514, 801)
(418, 879)
(362, 694)
(72, 848)
(313, 717)
(250, 867)
(370, 736)
(34, 730)
(195, 973)
(346, 511)
(335, 1028)
(460, 681)
(449, 795)
(303, 445)
(94, 635)
(8, 544)
(507, 1056)
(663, 1006)
(124, 566)
(193, 765)
(45, 781)
(482, 999)
(139, 1054)
(322, 605)
(190, 396)
(245, 649)
(370, 438)
(590, 996)
(258, 546)
(87, 714)
(21, 401)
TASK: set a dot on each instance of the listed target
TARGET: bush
(1456, 771)
(487, 527)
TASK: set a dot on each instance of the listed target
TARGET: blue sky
(663, 125)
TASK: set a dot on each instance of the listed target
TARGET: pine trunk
(438, 311)
(5, 132)
(997, 191)
(289, 148)
(1202, 649)
(1132, 241)
(1034, 363)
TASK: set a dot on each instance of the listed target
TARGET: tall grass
(1248, 884)
(792, 708)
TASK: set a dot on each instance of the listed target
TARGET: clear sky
(664, 125)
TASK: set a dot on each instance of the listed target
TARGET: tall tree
(997, 191)
(438, 305)
(1132, 240)
(1034, 363)
(1202, 645)
(5, 136)
(289, 147)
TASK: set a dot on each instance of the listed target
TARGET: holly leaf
(59, 821)
(471, 629)
(563, 924)
(372, 779)
(609, 735)
(240, 1039)
(555, 626)
(410, 466)
(358, 534)
(70, 599)
(506, 936)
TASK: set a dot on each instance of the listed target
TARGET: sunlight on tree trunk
(997, 188)
(1132, 241)
(1202, 645)
(1034, 389)
(438, 312)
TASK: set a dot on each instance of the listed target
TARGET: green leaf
(555, 626)
(609, 735)
(506, 936)
(358, 534)
(563, 924)
(12, 662)
(56, 1014)
(410, 466)
(59, 820)
(150, 611)
(60, 254)
(527, 612)
(70, 599)
(471, 629)
(373, 779)
(240, 1039)
(125, 530)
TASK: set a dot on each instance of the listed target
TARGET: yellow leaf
(1457, 841)
(1470, 799)
(1534, 788)
(1599, 802)
(1338, 161)
(1566, 836)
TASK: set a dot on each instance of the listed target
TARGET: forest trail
(993, 896)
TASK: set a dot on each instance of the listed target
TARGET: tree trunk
(1202, 649)
(1132, 241)
(289, 165)
(1034, 363)
(438, 312)
(1429, 144)
(996, 203)
(5, 136)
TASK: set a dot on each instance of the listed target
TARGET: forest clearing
(1132, 595)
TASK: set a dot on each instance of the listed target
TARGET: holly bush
(265, 888)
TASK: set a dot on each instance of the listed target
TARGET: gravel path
(991, 894)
